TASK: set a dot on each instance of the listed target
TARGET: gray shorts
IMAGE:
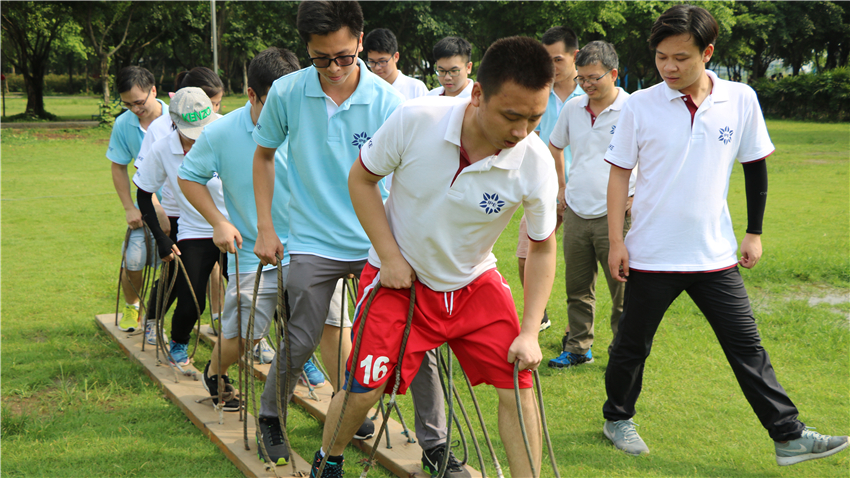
(266, 303)
(137, 254)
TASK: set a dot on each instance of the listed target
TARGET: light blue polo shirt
(321, 152)
(127, 136)
(226, 147)
(550, 117)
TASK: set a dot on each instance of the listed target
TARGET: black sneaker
(272, 437)
(366, 430)
(333, 468)
(211, 385)
(433, 458)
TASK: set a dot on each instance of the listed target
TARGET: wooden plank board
(228, 437)
(403, 459)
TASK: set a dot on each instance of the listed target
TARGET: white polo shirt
(158, 129)
(680, 219)
(409, 87)
(160, 168)
(587, 190)
(465, 93)
(445, 226)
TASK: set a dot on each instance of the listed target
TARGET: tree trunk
(71, 73)
(104, 77)
(86, 74)
(34, 86)
(244, 77)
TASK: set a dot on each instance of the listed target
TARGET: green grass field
(73, 405)
(72, 108)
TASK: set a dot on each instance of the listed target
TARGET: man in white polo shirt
(462, 168)
(587, 124)
(453, 65)
(685, 134)
(382, 55)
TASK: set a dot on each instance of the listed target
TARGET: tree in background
(29, 32)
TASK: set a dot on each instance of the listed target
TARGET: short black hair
(598, 51)
(269, 65)
(521, 60)
(131, 76)
(380, 40)
(325, 17)
(453, 46)
(200, 77)
(680, 19)
(564, 34)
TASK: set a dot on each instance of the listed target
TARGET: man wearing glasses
(382, 57)
(452, 62)
(136, 88)
(327, 112)
(587, 123)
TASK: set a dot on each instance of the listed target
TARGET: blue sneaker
(317, 379)
(180, 354)
(569, 359)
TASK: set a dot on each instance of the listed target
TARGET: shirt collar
(510, 158)
(364, 93)
(174, 143)
(617, 105)
(719, 91)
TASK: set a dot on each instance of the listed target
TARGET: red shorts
(479, 322)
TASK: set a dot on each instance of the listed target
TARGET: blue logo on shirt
(725, 135)
(492, 203)
(360, 139)
(613, 128)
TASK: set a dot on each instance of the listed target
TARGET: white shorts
(136, 254)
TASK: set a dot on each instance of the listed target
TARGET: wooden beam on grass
(184, 392)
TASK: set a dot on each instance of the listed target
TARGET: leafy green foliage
(823, 96)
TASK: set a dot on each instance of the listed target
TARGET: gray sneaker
(624, 436)
(810, 446)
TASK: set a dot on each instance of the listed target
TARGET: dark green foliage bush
(824, 96)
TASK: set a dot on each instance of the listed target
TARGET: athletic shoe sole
(554, 364)
(791, 460)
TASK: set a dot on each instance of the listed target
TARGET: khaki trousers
(585, 244)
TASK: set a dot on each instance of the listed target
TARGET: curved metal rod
(545, 426)
(521, 420)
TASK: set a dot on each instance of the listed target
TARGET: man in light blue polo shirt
(226, 148)
(135, 86)
(327, 112)
(562, 45)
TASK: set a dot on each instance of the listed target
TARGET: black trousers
(723, 300)
(154, 296)
(199, 257)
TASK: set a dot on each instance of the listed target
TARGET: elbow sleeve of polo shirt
(755, 180)
(163, 242)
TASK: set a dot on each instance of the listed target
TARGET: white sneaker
(150, 333)
(263, 352)
(811, 445)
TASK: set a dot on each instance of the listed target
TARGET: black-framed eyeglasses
(342, 60)
(580, 80)
(140, 103)
(374, 63)
(454, 72)
(262, 103)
